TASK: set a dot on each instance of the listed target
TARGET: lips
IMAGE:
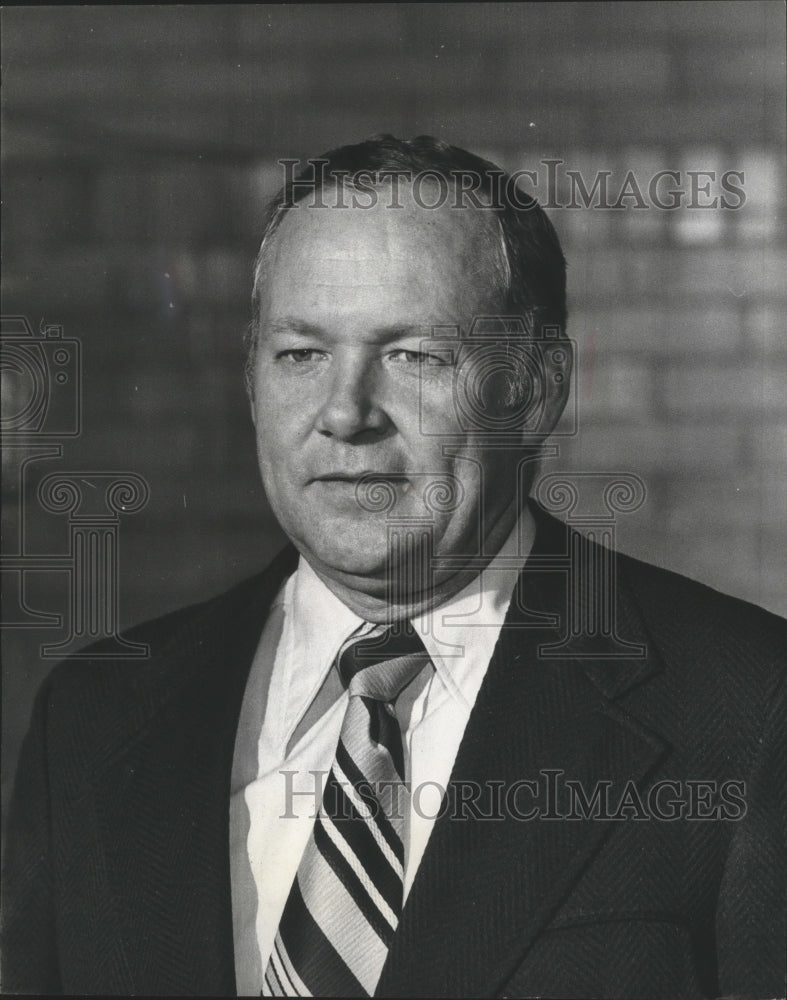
(356, 477)
(371, 491)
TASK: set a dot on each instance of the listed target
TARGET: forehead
(443, 260)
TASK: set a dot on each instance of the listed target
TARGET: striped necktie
(346, 900)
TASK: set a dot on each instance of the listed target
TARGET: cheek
(279, 416)
(272, 392)
(430, 412)
(451, 491)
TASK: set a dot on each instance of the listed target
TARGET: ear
(557, 358)
(248, 382)
(538, 386)
(515, 380)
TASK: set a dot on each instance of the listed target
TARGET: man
(404, 760)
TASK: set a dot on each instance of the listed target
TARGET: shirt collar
(320, 623)
(460, 635)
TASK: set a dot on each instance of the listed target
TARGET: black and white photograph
(394, 536)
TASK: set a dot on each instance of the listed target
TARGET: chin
(353, 549)
(350, 564)
(359, 545)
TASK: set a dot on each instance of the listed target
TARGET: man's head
(382, 413)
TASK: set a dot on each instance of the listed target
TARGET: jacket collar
(159, 785)
(550, 709)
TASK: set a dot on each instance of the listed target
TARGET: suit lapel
(486, 888)
(163, 792)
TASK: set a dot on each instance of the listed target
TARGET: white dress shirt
(275, 792)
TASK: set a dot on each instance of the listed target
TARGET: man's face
(343, 385)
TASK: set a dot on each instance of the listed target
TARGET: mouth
(361, 477)
(366, 485)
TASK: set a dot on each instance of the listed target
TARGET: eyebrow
(291, 324)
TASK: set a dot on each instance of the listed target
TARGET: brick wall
(140, 144)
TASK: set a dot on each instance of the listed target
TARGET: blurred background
(141, 143)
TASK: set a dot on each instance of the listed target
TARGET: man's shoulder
(704, 648)
(674, 608)
(684, 610)
(705, 671)
(721, 658)
(170, 648)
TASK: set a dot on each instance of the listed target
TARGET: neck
(387, 603)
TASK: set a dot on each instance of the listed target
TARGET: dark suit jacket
(118, 875)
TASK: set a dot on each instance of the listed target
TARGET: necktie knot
(382, 663)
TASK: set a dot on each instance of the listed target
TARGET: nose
(351, 410)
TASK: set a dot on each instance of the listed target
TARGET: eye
(299, 355)
(403, 356)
